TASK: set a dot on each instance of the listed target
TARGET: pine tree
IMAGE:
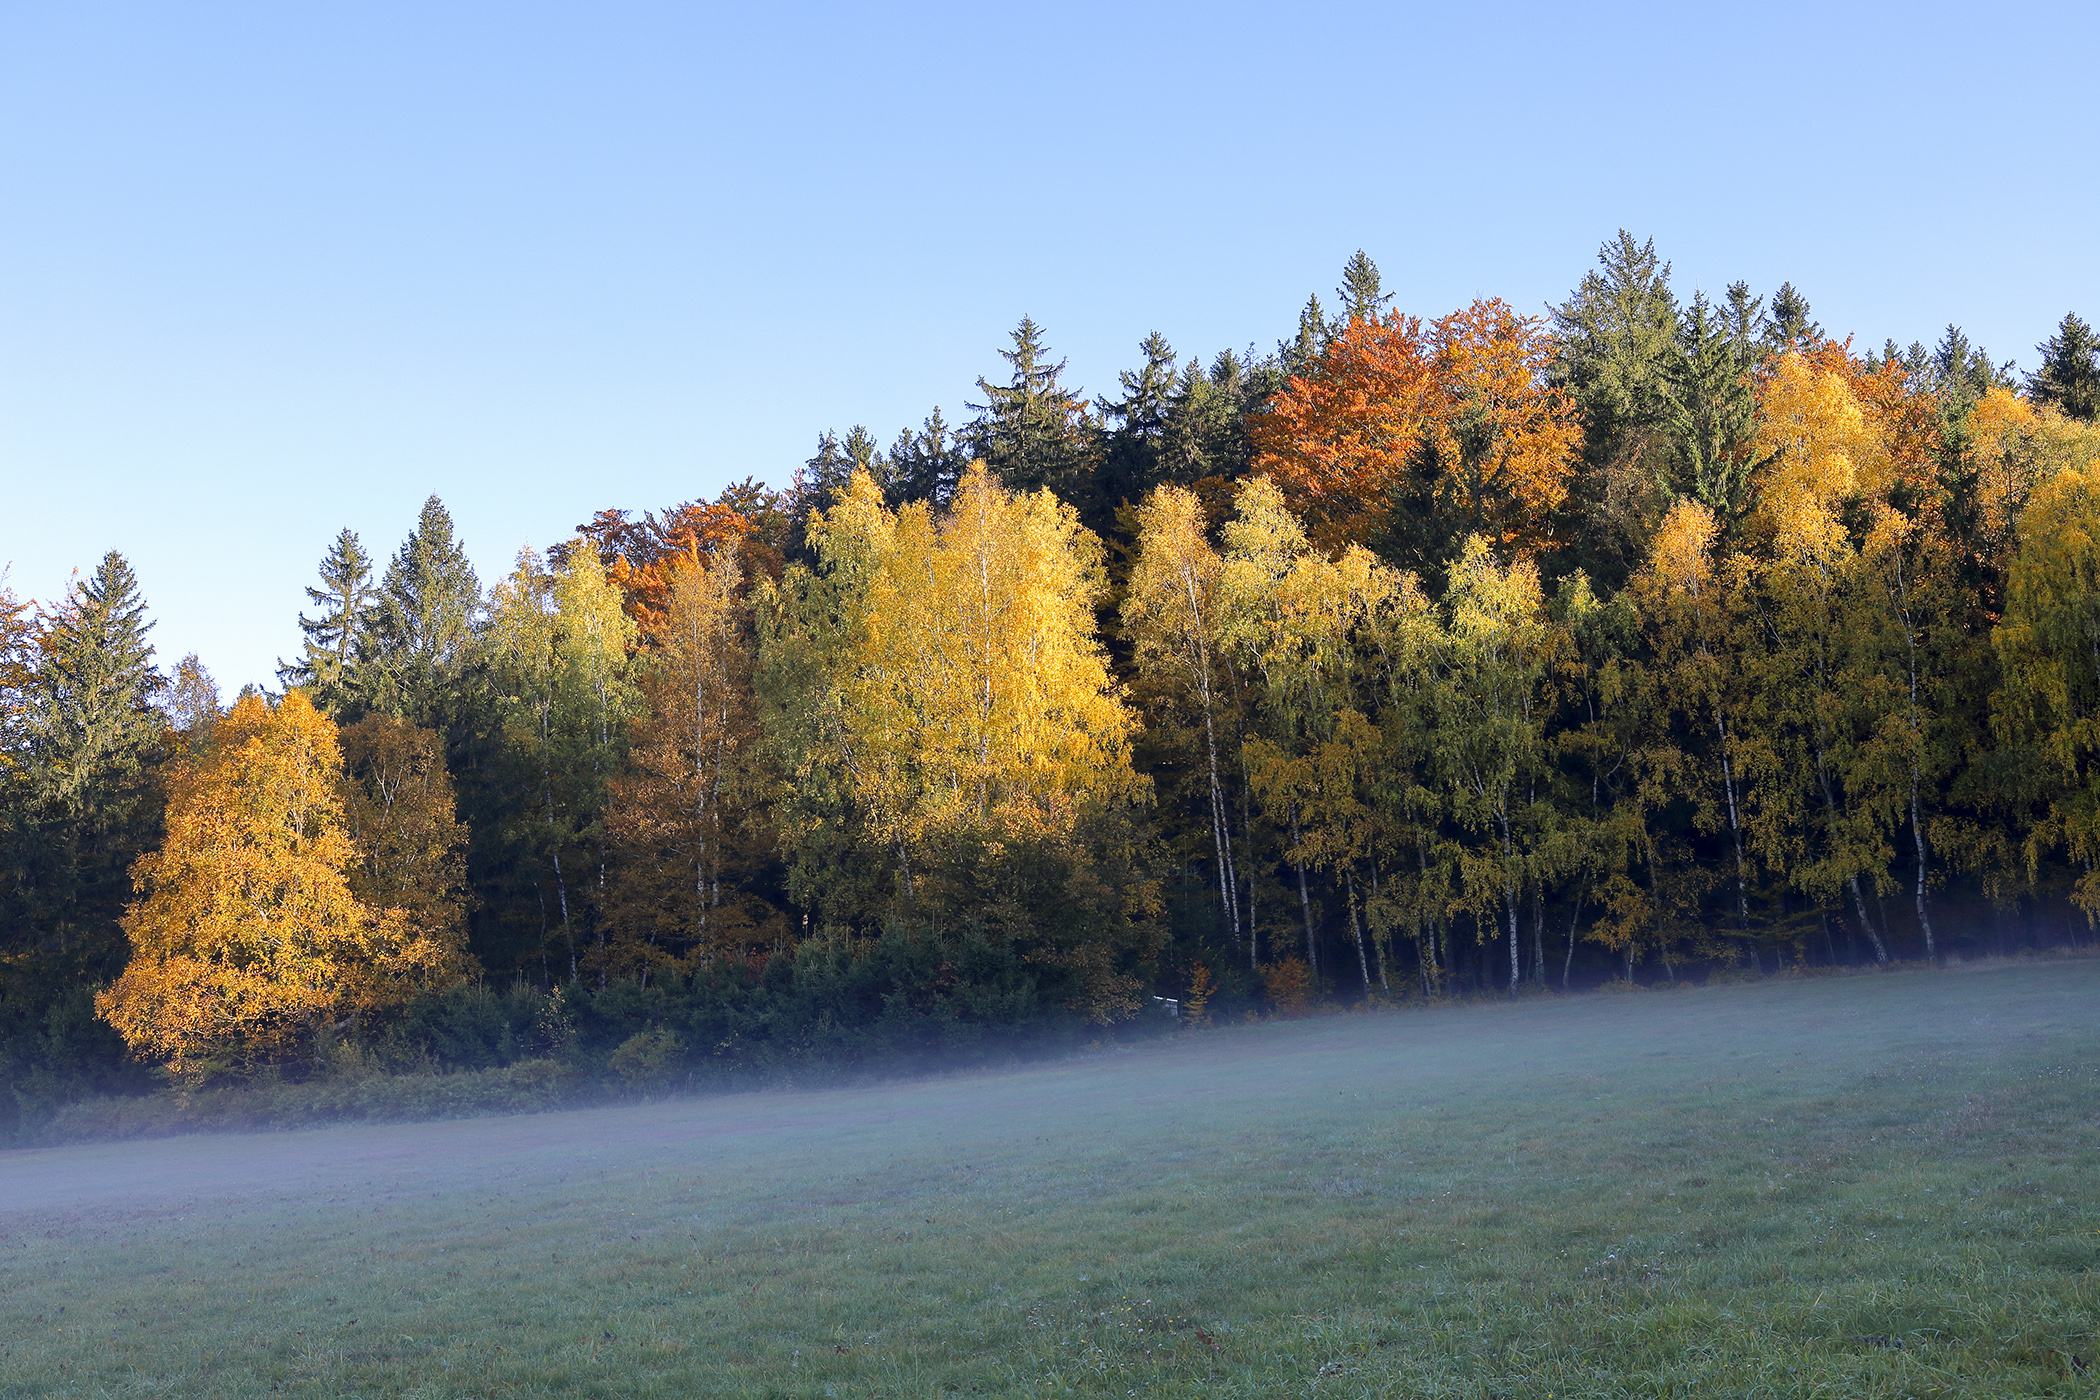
(422, 625)
(2070, 374)
(345, 599)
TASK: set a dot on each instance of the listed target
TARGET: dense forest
(1645, 639)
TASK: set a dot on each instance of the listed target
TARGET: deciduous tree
(246, 936)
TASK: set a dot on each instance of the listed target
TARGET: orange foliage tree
(1456, 424)
(1503, 442)
(1342, 440)
(246, 936)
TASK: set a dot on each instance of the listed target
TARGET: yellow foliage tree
(2015, 446)
(975, 698)
(678, 811)
(1822, 451)
(951, 744)
(246, 935)
(403, 821)
(2049, 647)
(1174, 615)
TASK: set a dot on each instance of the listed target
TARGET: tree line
(1411, 657)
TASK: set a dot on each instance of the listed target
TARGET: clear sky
(268, 270)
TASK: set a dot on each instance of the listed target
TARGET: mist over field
(1874, 1185)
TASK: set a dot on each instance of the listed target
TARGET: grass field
(1850, 1187)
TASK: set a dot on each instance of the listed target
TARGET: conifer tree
(344, 599)
(422, 625)
(825, 474)
(1136, 426)
(1032, 432)
(1791, 327)
(1205, 432)
(1361, 295)
(926, 465)
(94, 742)
(1614, 342)
(1708, 410)
(17, 699)
(97, 684)
(1297, 355)
(2070, 374)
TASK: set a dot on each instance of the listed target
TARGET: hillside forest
(1653, 637)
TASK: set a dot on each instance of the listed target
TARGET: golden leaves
(246, 932)
(972, 695)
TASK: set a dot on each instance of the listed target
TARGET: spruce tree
(345, 600)
(1709, 408)
(823, 477)
(94, 744)
(1791, 327)
(1360, 294)
(924, 466)
(97, 723)
(1031, 431)
(409, 660)
(1300, 353)
(2070, 374)
(1137, 424)
(1205, 430)
(1616, 334)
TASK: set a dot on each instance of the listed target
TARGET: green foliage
(1032, 431)
(2070, 374)
(418, 636)
(328, 665)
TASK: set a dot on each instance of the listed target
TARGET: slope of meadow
(1878, 1185)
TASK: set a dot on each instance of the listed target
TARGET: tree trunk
(1859, 903)
(1221, 831)
(1567, 968)
(1312, 949)
(1509, 900)
(1363, 963)
(1538, 934)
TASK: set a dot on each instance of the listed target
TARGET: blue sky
(270, 270)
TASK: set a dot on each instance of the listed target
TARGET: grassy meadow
(1863, 1186)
